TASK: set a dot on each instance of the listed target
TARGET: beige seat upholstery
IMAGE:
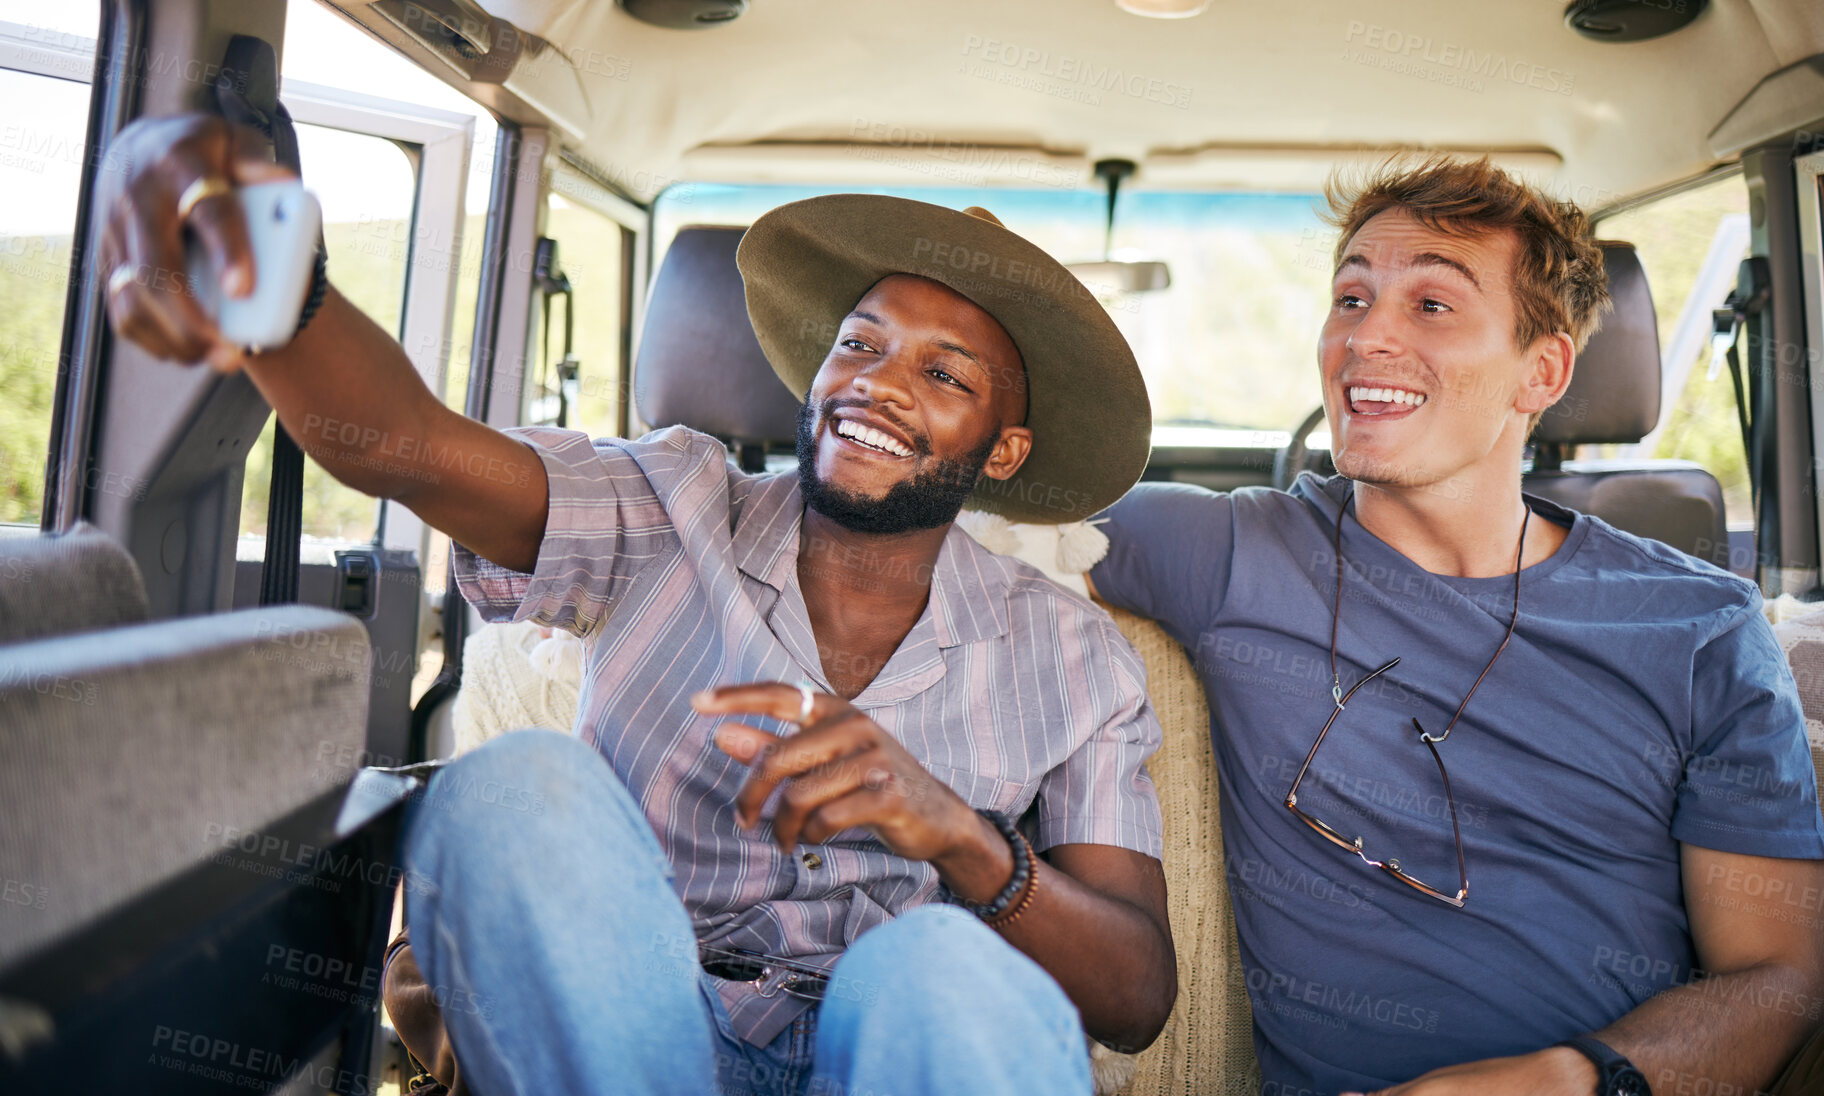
(1802, 638)
(1208, 1045)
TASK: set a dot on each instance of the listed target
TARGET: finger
(154, 245)
(861, 808)
(807, 792)
(219, 223)
(127, 324)
(127, 321)
(815, 745)
(743, 743)
(147, 322)
(776, 699)
(221, 232)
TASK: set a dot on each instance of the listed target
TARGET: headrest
(72, 582)
(699, 363)
(1614, 393)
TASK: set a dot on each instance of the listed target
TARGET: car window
(375, 231)
(366, 223)
(590, 248)
(1690, 244)
(44, 104)
(1232, 343)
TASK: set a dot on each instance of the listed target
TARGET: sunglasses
(1331, 834)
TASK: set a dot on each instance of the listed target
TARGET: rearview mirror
(1111, 276)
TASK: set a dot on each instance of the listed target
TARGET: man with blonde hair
(1420, 677)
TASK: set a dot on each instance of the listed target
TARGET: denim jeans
(543, 917)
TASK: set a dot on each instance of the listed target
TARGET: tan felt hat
(806, 264)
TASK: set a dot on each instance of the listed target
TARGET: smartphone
(284, 221)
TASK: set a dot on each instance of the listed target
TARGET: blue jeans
(537, 896)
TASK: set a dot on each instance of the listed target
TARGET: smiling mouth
(1383, 401)
(862, 434)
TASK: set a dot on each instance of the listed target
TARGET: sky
(42, 120)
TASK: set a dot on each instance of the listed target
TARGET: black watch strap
(1615, 1075)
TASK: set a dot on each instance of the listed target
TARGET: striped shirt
(680, 573)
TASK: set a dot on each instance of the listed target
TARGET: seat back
(173, 811)
(1802, 638)
(71, 583)
(700, 364)
(1208, 1044)
(1614, 398)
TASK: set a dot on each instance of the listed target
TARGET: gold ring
(122, 277)
(209, 186)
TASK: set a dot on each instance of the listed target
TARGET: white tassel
(559, 658)
(1080, 547)
(1110, 1071)
(991, 531)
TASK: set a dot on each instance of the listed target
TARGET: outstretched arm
(344, 388)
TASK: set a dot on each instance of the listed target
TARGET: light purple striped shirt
(680, 573)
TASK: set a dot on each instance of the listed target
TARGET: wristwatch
(1615, 1075)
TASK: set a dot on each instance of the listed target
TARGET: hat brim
(806, 265)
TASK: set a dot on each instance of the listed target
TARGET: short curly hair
(1558, 279)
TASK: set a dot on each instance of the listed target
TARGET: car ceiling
(1245, 95)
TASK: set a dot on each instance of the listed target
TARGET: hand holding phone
(284, 221)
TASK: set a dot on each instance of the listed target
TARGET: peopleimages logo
(1408, 54)
(1064, 76)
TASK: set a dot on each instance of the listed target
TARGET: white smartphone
(283, 222)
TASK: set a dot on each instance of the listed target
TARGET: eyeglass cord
(1336, 615)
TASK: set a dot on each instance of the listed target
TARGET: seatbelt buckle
(1725, 324)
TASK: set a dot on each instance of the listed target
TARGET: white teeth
(1385, 395)
(869, 436)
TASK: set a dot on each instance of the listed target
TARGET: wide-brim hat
(806, 265)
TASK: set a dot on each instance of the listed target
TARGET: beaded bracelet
(319, 287)
(1008, 905)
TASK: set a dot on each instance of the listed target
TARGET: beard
(932, 497)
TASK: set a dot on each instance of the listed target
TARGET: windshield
(1231, 343)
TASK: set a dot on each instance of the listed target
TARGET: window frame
(1715, 280)
(579, 186)
(118, 43)
(1808, 177)
(439, 144)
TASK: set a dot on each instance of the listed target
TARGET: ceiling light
(1164, 9)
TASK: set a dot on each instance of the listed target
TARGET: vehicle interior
(222, 674)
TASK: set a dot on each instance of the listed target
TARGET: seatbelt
(1728, 324)
(247, 93)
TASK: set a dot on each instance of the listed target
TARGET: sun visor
(1790, 99)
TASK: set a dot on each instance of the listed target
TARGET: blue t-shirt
(1643, 702)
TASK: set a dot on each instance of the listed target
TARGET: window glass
(1676, 237)
(323, 48)
(366, 223)
(589, 248)
(43, 122)
(1232, 342)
